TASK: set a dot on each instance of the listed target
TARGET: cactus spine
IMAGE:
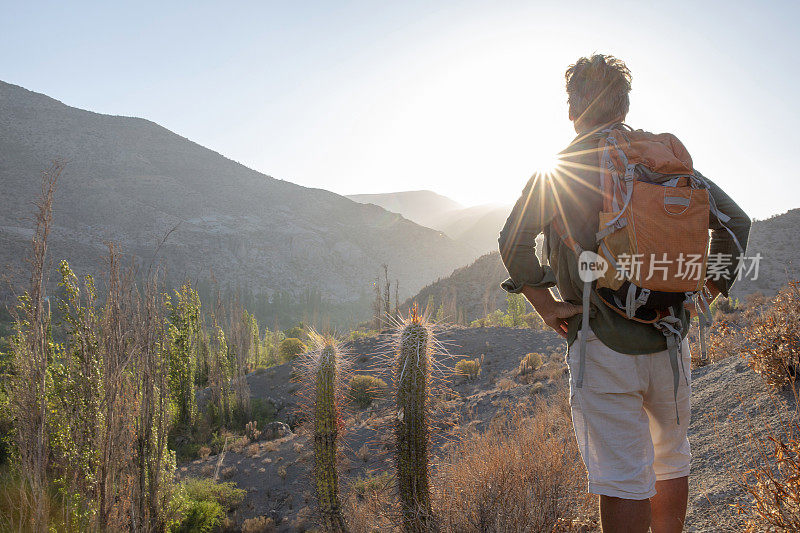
(411, 430)
(325, 435)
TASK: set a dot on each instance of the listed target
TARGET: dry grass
(228, 472)
(523, 474)
(239, 444)
(371, 506)
(773, 337)
(252, 450)
(506, 384)
(260, 524)
(364, 453)
(771, 476)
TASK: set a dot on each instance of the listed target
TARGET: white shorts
(625, 418)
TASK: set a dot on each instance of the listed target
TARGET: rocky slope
(775, 239)
(731, 408)
(131, 181)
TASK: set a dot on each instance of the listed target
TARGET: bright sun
(547, 164)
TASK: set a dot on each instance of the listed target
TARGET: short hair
(597, 90)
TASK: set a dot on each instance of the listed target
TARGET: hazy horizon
(460, 99)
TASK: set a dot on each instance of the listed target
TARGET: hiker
(623, 193)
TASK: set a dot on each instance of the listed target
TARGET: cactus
(326, 415)
(411, 429)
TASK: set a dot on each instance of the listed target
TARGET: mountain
(775, 239)
(475, 289)
(131, 181)
(476, 226)
(423, 207)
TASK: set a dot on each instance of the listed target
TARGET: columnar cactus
(412, 372)
(326, 476)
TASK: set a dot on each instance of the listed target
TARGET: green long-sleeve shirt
(574, 191)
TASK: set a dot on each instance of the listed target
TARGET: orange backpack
(653, 235)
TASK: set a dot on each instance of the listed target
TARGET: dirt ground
(729, 402)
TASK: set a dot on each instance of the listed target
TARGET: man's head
(597, 89)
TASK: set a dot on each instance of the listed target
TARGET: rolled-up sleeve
(517, 242)
(728, 239)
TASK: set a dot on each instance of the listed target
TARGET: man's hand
(553, 312)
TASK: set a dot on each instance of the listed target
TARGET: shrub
(296, 332)
(469, 369)
(204, 452)
(534, 321)
(773, 337)
(530, 363)
(259, 524)
(262, 412)
(372, 483)
(200, 517)
(358, 334)
(724, 305)
(226, 494)
(290, 348)
(523, 474)
(364, 389)
(771, 471)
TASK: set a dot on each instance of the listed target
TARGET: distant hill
(473, 290)
(776, 240)
(476, 226)
(130, 180)
(423, 207)
(476, 288)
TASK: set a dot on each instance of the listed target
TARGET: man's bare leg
(669, 505)
(619, 515)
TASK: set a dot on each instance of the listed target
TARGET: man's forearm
(538, 297)
(553, 312)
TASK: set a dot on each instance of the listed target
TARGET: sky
(463, 98)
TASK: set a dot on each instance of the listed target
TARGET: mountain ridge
(475, 226)
(130, 181)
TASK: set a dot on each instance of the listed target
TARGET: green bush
(496, 318)
(359, 334)
(364, 389)
(534, 321)
(290, 348)
(200, 517)
(297, 332)
(469, 369)
(225, 494)
(262, 411)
